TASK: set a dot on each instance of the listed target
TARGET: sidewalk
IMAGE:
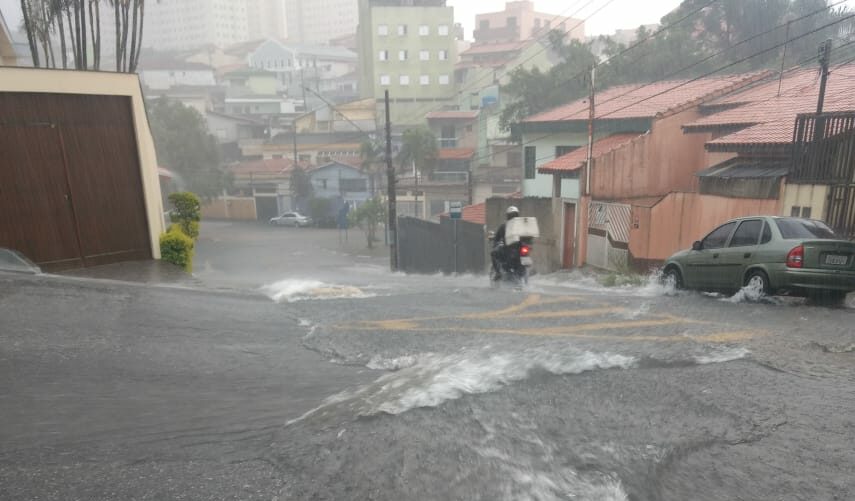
(146, 272)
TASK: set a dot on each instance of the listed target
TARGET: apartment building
(320, 21)
(519, 21)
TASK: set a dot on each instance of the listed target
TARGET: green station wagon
(772, 255)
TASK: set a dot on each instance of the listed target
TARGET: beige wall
(814, 196)
(233, 208)
(107, 84)
(657, 163)
(682, 218)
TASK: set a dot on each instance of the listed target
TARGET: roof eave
(766, 148)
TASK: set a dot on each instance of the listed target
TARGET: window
(484, 24)
(512, 22)
(796, 211)
(530, 162)
(767, 234)
(402, 30)
(383, 55)
(382, 30)
(718, 238)
(385, 80)
(424, 30)
(403, 55)
(443, 30)
(424, 80)
(537, 23)
(747, 234)
(424, 55)
(443, 55)
(404, 80)
(792, 229)
(806, 212)
(560, 151)
(323, 183)
(444, 80)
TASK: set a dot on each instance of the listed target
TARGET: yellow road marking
(570, 313)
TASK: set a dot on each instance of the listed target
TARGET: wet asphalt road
(358, 384)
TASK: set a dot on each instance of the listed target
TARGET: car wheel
(673, 278)
(757, 284)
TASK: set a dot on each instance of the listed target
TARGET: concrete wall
(232, 208)
(107, 84)
(657, 163)
(547, 248)
(682, 218)
(814, 196)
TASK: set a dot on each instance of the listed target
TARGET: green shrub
(176, 247)
(186, 212)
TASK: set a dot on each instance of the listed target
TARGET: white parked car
(294, 219)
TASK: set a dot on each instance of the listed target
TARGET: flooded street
(316, 374)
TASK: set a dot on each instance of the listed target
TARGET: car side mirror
(697, 246)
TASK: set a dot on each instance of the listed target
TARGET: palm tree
(420, 150)
(372, 162)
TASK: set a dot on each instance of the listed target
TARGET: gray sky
(619, 14)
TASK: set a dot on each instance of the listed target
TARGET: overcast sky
(618, 14)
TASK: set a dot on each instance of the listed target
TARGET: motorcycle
(515, 258)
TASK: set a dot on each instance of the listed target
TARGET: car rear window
(792, 229)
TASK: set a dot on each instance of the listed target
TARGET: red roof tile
(456, 153)
(272, 166)
(771, 117)
(647, 100)
(452, 115)
(576, 158)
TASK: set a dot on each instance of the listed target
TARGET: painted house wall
(166, 79)
(814, 196)
(541, 185)
(682, 218)
(326, 181)
(657, 163)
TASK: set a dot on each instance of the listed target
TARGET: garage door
(70, 186)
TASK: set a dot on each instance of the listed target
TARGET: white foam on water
(722, 355)
(747, 294)
(653, 285)
(292, 290)
(565, 484)
(391, 364)
(435, 379)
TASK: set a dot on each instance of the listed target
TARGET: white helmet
(512, 212)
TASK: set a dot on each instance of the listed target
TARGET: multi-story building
(408, 47)
(519, 21)
(266, 19)
(319, 21)
(188, 24)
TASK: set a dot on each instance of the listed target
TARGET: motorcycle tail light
(525, 250)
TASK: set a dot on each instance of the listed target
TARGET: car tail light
(796, 257)
(525, 250)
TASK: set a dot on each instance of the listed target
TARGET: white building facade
(319, 21)
(188, 24)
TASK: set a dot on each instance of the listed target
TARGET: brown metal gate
(70, 185)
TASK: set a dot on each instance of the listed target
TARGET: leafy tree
(420, 148)
(184, 145)
(368, 216)
(301, 184)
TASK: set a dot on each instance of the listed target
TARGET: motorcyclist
(498, 253)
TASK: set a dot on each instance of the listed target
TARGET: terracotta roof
(456, 153)
(461, 115)
(576, 158)
(271, 166)
(494, 48)
(769, 118)
(648, 100)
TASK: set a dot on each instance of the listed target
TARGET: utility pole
(824, 60)
(392, 193)
(296, 157)
(591, 115)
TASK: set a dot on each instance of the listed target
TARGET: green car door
(740, 253)
(704, 266)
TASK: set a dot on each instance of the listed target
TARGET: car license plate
(836, 260)
(526, 261)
